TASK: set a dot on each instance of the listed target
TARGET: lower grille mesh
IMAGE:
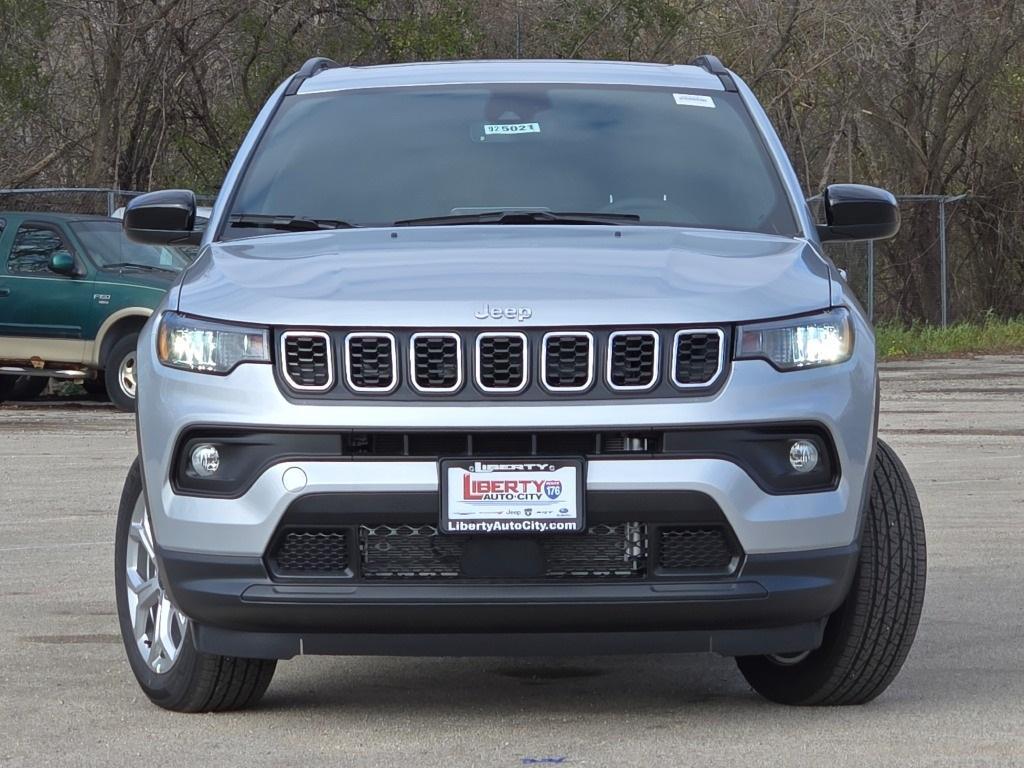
(320, 552)
(420, 552)
(694, 549)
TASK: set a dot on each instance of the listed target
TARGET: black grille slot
(396, 552)
(568, 361)
(371, 362)
(307, 360)
(501, 361)
(633, 360)
(698, 357)
(436, 362)
(694, 548)
(311, 553)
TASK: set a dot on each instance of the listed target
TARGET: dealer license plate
(511, 496)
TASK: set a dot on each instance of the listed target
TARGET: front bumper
(776, 604)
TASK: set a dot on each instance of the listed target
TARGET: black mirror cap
(167, 217)
(859, 212)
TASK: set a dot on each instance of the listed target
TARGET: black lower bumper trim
(234, 599)
(727, 642)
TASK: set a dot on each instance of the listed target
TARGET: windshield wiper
(138, 265)
(286, 223)
(522, 217)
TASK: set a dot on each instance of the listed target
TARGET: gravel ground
(67, 696)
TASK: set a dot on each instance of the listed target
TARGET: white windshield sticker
(693, 100)
(507, 128)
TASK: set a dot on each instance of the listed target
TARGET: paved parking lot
(68, 698)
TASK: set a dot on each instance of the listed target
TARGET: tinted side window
(33, 246)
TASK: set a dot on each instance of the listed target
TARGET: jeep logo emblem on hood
(487, 312)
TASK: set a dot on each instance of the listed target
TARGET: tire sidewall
(163, 688)
(111, 374)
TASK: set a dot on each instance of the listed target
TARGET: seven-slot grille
(567, 361)
(633, 360)
(697, 357)
(307, 360)
(371, 362)
(435, 360)
(501, 362)
(629, 361)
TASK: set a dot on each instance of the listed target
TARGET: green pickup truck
(74, 293)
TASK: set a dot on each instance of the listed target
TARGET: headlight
(798, 342)
(207, 346)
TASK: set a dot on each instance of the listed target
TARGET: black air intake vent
(501, 362)
(692, 548)
(568, 361)
(310, 553)
(633, 360)
(697, 358)
(371, 362)
(306, 360)
(436, 362)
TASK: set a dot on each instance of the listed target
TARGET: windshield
(379, 156)
(107, 245)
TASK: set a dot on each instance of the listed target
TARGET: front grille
(633, 360)
(371, 363)
(692, 548)
(307, 360)
(501, 362)
(311, 553)
(436, 362)
(397, 552)
(567, 361)
(697, 358)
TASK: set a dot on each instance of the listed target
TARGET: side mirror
(859, 212)
(63, 263)
(167, 217)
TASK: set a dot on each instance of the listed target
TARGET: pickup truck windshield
(444, 154)
(108, 247)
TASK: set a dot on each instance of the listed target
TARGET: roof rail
(313, 66)
(712, 64)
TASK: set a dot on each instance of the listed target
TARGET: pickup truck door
(42, 313)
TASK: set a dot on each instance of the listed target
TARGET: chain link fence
(926, 273)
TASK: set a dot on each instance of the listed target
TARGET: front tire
(119, 373)
(868, 638)
(158, 638)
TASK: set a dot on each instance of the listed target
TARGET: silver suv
(495, 358)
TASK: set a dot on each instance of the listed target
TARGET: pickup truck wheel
(158, 637)
(119, 373)
(867, 639)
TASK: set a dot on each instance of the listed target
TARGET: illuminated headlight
(798, 342)
(207, 346)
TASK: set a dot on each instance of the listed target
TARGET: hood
(457, 276)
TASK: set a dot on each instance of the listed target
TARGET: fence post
(871, 280)
(943, 271)
(110, 202)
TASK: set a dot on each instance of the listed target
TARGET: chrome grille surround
(717, 332)
(414, 368)
(545, 341)
(349, 362)
(284, 364)
(613, 367)
(524, 361)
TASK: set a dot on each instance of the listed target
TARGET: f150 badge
(487, 312)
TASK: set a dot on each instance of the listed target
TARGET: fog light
(803, 455)
(205, 460)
